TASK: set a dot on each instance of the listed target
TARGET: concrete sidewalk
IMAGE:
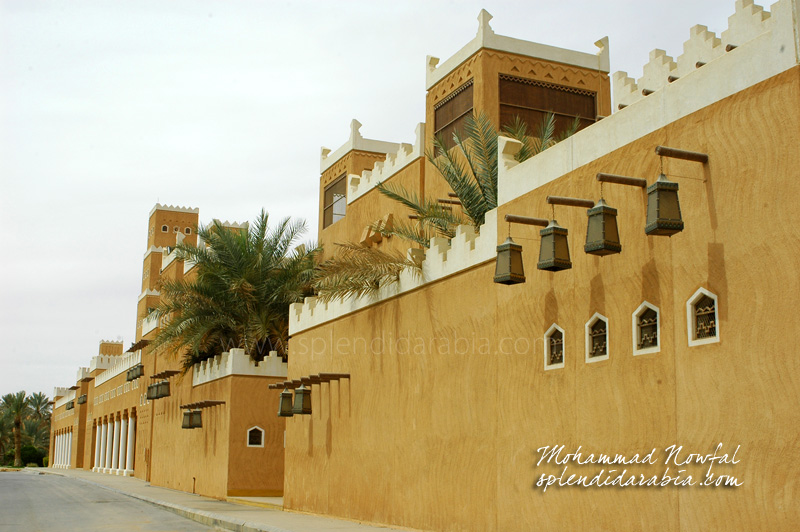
(211, 512)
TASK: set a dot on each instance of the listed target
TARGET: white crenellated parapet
(748, 23)
(173, 208)
(774, 50)
(487, 38)
(356, 141)
(703, 46)
(59, 391)
(149, 323)
(236, 362)
(383, 170)
(102, 362)
(443, 259)
(83, 373)
(167, 258)
(118, 365)
(68, 396)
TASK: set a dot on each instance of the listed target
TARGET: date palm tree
(470, 169)
(17, 407)
(246, 279)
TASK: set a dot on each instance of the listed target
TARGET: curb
(206, 518)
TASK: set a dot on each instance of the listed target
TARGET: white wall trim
(487, 38)
(236, 362)
(355, 142)
(775, 49)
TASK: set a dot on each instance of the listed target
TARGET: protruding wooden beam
(570, 202)
(525, 220)
(675, 153)
(622, 180)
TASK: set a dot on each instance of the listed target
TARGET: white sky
(109, 107)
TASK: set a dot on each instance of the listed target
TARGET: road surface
(45, 503)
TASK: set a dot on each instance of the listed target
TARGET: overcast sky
(109, 107)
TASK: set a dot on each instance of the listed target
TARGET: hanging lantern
(602, 236)
(197, 419)
(187, 420)
(285, 408)
(508, 269)
(152, 392)
(163, 389)
(554, 251)
(302, 400)
(663, 208)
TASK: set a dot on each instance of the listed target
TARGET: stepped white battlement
(748, 23)
(767, 44)
(101, 362)
(83, 373)
(60, 391)
(356, 141)
(173, 208)
(118, 365)
(236, 362)
(443, 259)
(383, 170)
(68, 395)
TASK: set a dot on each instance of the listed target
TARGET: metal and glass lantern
(163, 389)
(187, 420)
(508, 269)
(302, 400)
(602, 236)
(152, 392)
(285, 408)
(554, 251)
(663, 208)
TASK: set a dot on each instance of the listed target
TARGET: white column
(69, 450)
(97, 434)
(123, 441)
(115, 454)
(131, 447)
(56, 439)
(61, 450)
(103, 448)
(109, 446)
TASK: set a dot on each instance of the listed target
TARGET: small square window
(255, 437)
(188, 231)
(164, 228)
(334, 201)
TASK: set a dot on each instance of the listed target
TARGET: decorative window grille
(705, 318)
(451, 112)
(164, 229)
(531, 100)
(556, 345)
(648, 329)
(335, 201)
(188, 231)
(599, 339)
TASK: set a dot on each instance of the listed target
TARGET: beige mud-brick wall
(372, 207)
(255, 471)
(447, 440)
(192, 460)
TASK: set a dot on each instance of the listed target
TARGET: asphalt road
(33, 503)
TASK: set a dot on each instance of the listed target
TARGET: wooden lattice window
(555, 347)
(597, 338)
(705, 321)
(450, 114)
(334, 201)
(531, 100)
(648, 329)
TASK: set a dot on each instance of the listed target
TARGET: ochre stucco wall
(444, 437)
